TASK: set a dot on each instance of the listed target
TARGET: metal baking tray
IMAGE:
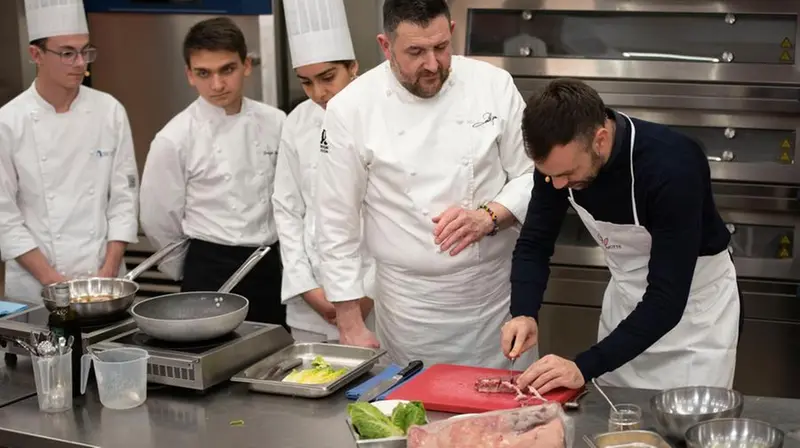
(389, 442)
(629, 439)
(358, 360)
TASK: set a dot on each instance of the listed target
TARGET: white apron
(452, 319)
(701, 349)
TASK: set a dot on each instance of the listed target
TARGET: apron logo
(101, 153)
(323, 142)
(488, 117)
(604, 242)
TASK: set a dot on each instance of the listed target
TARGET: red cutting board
(451, 388)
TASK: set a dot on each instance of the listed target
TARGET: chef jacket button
(233, 207)
(425, 211)
(91, 232)
(263, 201)
(401, 132)
(91, 191)
(50, 196)
(256, 143)
(388, 93)
(413, 173)
(44, 158)
(260, 173)
(465, 162)
(58, 236)
(227, 177)
(465, 204)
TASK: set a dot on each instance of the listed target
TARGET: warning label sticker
(785, 56)
(785, 144)
(786, 43)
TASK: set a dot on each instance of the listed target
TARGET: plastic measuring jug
(121, 376)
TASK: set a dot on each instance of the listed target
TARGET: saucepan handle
(244, 269)
(151, 261)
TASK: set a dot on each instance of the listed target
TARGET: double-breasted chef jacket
(68, 185)
(404, 160)
(209, 177)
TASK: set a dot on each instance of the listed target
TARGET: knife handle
(412, 368)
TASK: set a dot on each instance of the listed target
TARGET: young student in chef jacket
(209, 176)
(428, 146)
(68, 175)
(324, 61)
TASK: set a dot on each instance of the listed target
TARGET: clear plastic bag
(541, 426)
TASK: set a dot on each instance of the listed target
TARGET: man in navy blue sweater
(671, 311)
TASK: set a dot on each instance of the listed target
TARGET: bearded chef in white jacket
(209, 176)
(429, 146)
(324, 61)
(68, 175)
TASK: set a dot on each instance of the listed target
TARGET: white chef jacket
(209, 176)
(68, 184)
(295, 179)
(359, 167)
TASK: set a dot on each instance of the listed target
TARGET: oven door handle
(669, 56)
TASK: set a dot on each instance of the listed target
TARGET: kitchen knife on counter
(412, 368)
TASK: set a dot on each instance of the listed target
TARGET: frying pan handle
(246, 267)
(151, 261)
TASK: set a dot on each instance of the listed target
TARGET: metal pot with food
(197, 315)
(97, 297)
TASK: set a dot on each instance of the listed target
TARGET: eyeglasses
(69, 57)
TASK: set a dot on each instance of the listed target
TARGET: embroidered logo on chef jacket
(323, 142)
(487, 118)
(131, 181)
(605, 243)
(102, 152)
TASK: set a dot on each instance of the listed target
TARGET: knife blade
(412, 368)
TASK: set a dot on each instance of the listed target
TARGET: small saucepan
(197, 315)
(98, 297)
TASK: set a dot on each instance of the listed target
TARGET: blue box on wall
(220, 7)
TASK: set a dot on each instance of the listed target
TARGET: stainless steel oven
(723, 73)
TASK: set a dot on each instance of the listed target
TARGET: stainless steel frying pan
(196, 316)
(97, 297)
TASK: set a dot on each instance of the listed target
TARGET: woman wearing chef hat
(324, 62)
(68, 176)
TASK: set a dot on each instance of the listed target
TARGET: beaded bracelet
(495, 227)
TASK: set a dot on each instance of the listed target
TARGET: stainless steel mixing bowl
(734, 433)
(677, 409)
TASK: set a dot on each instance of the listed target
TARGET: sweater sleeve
(530, 267)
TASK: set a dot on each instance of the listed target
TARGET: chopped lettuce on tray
(371, 423)
(320, 373)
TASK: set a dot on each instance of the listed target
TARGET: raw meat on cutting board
(529, 427)
(451, 388)
(507, 385)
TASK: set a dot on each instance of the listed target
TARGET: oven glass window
(702, 38)
(739, 145)
(760, 241)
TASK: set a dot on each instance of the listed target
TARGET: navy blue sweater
(674, 203)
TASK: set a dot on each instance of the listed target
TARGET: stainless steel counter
(179, 418)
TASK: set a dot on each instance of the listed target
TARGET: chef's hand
(107, 271)
(315, 298)
(518, 336)
(361, 337)
(352, 330)
(551, 372)
(458, 228)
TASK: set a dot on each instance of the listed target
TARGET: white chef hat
(317, 31)
(50, 18)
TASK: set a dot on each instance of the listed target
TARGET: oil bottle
(63, 321)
